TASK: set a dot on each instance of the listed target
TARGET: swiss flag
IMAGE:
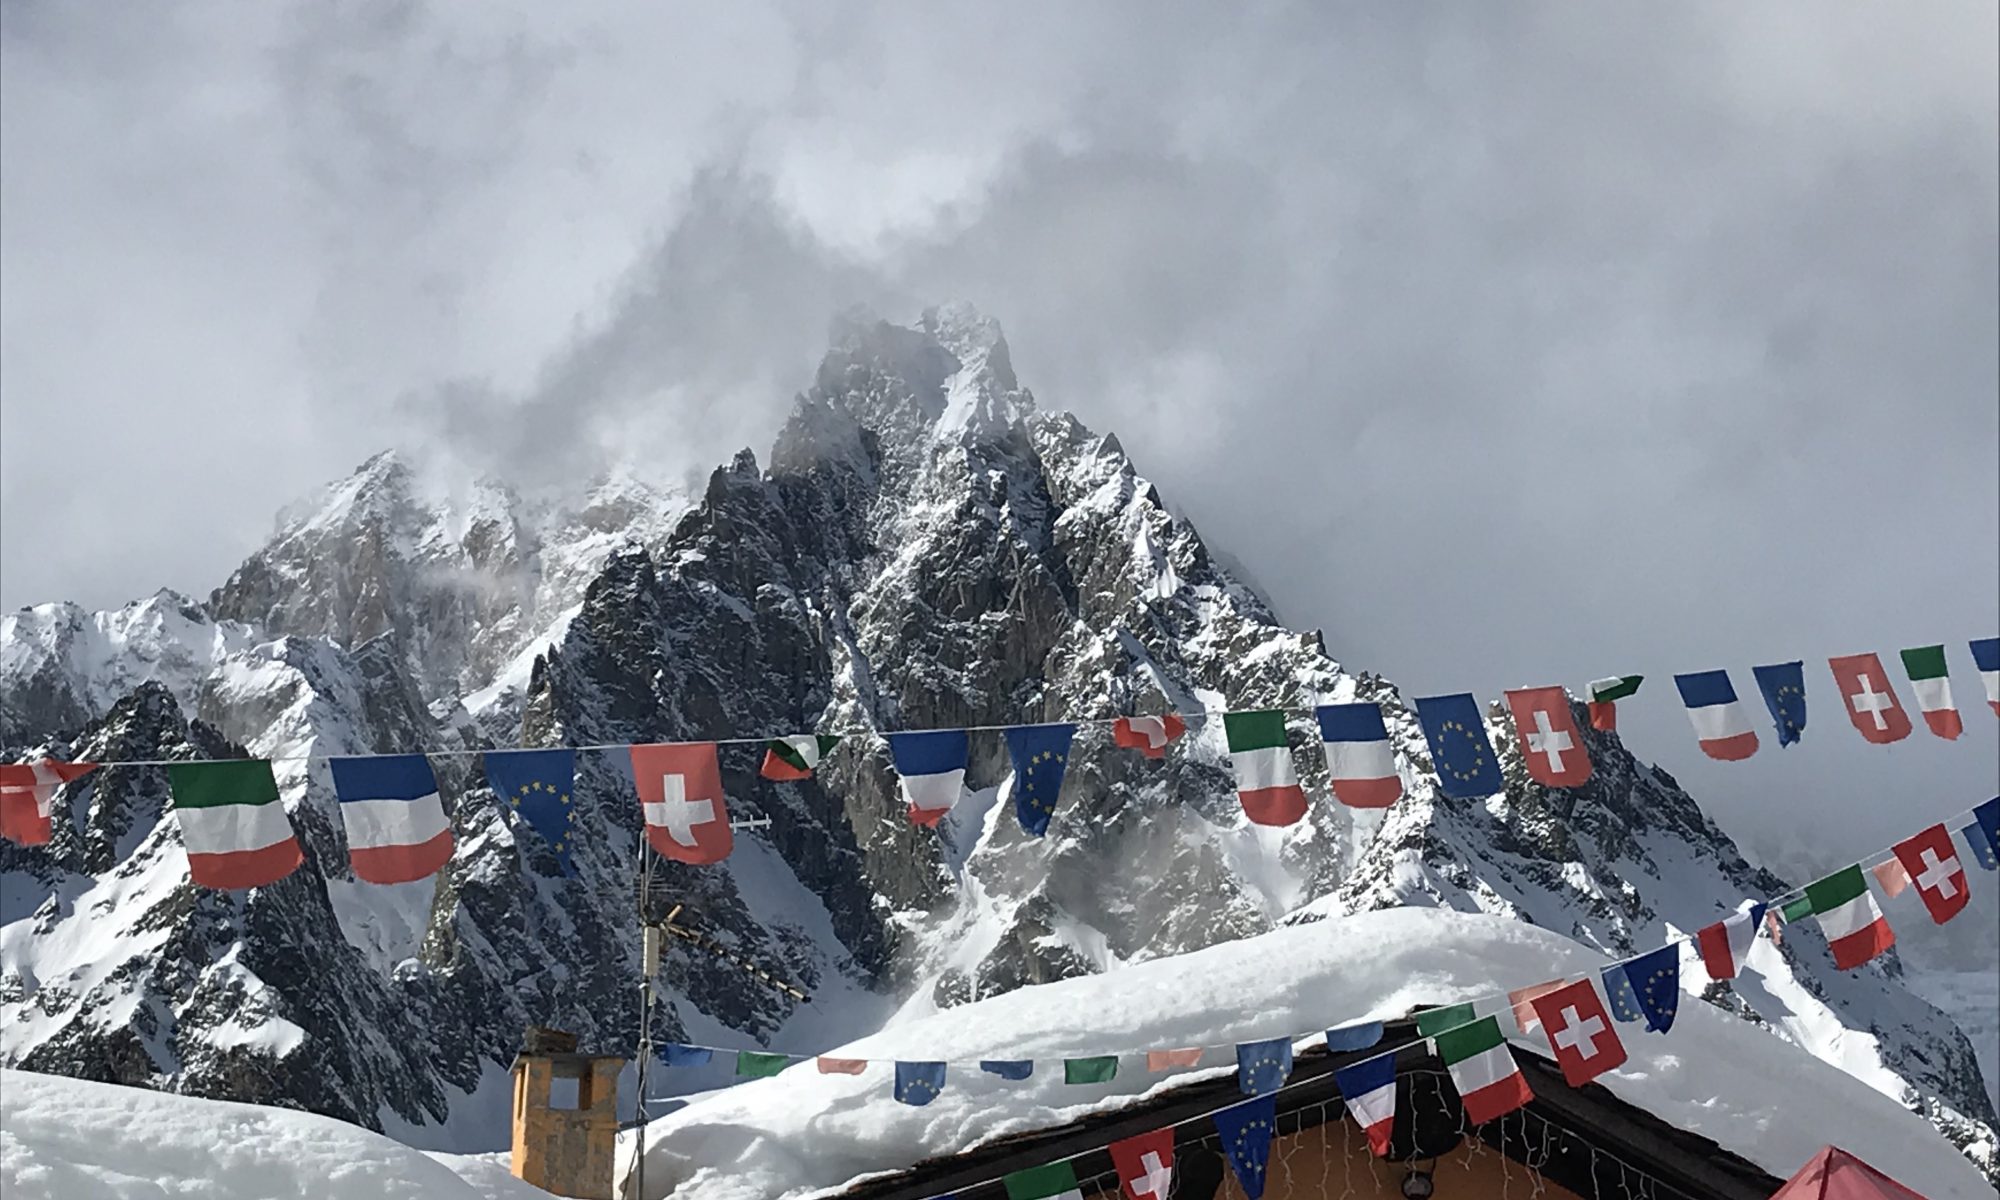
(1580, 1032)
(1145, 1165)
(27, 797)
(1551, 744)
(1932, 863)
(1148, 735)
(680, 788)
(1871, 703)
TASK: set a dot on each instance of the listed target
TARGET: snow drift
(64, 1139)
(801, 1133)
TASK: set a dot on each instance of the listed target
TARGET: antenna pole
(649, 966)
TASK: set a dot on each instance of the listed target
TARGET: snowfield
(64, 1139)
(802, 1133)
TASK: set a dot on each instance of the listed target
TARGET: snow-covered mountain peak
(947, 379)
(926, 549)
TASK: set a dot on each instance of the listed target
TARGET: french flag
(1718, 717)
(1358, 755)
(1986, 656)
(1370, 1091)
(1726, 944)
(931, 765)
(396, 827)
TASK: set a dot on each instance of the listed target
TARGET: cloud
(1512, 344)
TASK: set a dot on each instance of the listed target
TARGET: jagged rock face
(926, 549)
(463, 585)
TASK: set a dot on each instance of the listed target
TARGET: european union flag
(1039, 752)
(1784, 688)
(1008, 1068)
(1618, 989)
(1983, 835)
(1354, 1037)
(537, 784)
(1246, 1131)
(918, 1083)
(1655, 979)
(675, 1054)
(1262, 1066)
(1467, 768)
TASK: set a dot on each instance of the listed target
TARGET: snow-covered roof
(801, 1133)
(62, 1139)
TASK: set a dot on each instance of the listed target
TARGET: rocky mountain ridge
(926, 547)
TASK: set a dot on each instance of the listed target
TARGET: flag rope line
(1192, 714)
(1771, 905)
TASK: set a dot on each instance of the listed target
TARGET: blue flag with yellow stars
(1262, 1066)
(1784, 688)
(536, 784)
(1618, 989)
(1008, 1068)
(1354, 1037)
(1039, 752)
(1655, 979)
(918, 1083)
(1467, 768)
(1246, 1130)
(676, 1054)
(1983, 835)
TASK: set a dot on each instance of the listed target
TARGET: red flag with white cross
(1145, 1165)
(1580, 1032)
(27, 797)
(680, 787)
(1871, 703)
(1933, 865)
(1551, 744)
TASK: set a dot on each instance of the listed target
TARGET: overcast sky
(1508, 343)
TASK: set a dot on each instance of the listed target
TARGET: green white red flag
(1489, 1081)
(789, 759)
(1604, 697)
(1266, 782)
(1855, 928)
(232, 823)
(1930, 679)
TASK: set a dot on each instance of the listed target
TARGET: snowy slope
(800, 1132)
(61, 1139)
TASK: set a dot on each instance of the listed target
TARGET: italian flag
(788, 759)
(1930, 679)
(1604, 697)
(1489, 1082)
(1265, 780)
(234, 828)
(1056, 1181)
(1854, 926)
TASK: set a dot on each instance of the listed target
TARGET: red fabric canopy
(1834, 1174)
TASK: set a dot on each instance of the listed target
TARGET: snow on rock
(64, 1139)
(802, 1133)
(61, 667)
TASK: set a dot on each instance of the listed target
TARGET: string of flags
(238, 835)
(1577, 1018)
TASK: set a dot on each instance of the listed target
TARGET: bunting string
(1876, 713)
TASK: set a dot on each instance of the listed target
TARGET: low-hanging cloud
(1509, 343)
